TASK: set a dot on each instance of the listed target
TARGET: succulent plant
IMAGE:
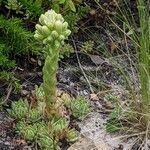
(79, 107)
(87, 46)
(58, 123)
(47, 143)
(66, 50)
(40, 97)
(52, 30)
(58, 127)
(19, 109)
(45, 139)
(34, 125)
(14, 5)
(39, 93)
(27, 131)
(72, 135)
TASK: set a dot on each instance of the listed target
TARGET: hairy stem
(49, 76)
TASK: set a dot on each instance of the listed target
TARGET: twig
(80, 66)
(146, 137)
(8, 94)
(130, 135)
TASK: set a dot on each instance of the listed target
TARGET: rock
(94, 97)
(24, 92)
(88, 144)
(103, 146)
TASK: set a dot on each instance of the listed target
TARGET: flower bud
(50, 13)
(36, 32)
(50, 39)
(65, 25)
(39, 28)
(60, 18)
(45, 41)
(58, 26)
(50, 26)
(62, 42)
(54, 34)
(67, 33)
(57, 44)
(38, 36)
(61, 37)
(42, 19)
(45, 30)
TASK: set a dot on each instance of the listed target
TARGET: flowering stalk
(52, 30)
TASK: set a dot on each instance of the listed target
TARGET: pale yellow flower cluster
(52, 29)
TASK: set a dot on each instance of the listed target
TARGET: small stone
(33, 60)
(92, 12)
(109, 105)
(94, 97)
(24, 92)
(7, 143)
(103, 146)
(88, 144)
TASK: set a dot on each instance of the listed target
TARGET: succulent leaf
(34, 115)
